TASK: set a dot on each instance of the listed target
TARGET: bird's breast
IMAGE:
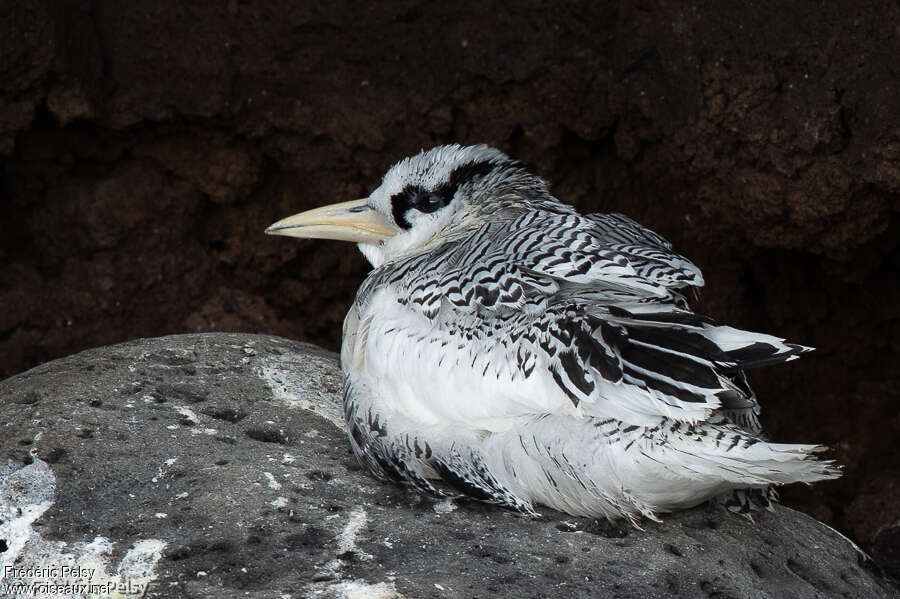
(435, 374)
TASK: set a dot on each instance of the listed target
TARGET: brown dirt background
(146, 145)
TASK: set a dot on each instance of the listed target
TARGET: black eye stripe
(402, 202)
(415, 196)
(464, 173)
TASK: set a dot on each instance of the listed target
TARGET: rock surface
(216, 466)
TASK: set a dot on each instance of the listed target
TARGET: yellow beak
(347, 221)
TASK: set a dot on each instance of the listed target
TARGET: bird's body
(509, 349)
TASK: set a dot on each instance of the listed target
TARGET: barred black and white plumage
(509, 349)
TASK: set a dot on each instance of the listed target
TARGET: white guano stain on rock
(273, 484)
(287, 376)
(444, 507)
(188, 414)
(347, 539)
(346, 543)
(25, 494)
(360, 589)
(204, 431)
(190, 418)
(139, 564)
(161, 471)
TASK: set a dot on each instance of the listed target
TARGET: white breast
(415, 370)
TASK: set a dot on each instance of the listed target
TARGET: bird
(508, 349)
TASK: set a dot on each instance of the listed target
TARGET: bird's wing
(609, 249)
(588, 308)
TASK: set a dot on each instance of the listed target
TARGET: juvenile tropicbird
(509, 349)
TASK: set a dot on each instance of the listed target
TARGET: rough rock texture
(216, 466)
(147, 144)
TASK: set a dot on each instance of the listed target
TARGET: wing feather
(593, 305)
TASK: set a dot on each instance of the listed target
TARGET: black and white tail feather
(508, 349)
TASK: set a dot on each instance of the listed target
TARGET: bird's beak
(347, 221)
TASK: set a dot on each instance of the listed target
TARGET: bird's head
(424, 200)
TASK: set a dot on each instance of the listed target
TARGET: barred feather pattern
(546, 357)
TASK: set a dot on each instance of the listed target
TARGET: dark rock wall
(146, 145)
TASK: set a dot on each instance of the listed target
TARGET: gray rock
(216, 466)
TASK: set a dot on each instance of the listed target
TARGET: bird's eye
(428, 202)
(416, 198)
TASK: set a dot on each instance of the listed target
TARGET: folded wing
(595, 303)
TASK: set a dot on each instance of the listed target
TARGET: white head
(424, 199)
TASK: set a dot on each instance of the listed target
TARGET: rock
(216, 465)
